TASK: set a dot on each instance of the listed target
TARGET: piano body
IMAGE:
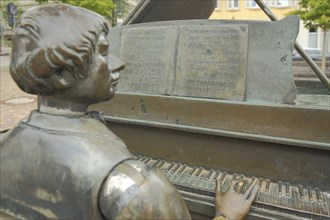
(196, 132)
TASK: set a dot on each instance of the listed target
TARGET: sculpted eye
(104, 49)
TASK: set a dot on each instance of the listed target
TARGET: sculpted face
(102, 76)
(60, 53)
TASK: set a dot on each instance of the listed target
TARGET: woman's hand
(234, 203)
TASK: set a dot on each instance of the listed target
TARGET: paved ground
(14, 103)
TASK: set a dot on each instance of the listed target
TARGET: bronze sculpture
(63, 162)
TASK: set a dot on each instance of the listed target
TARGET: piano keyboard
(289, 201)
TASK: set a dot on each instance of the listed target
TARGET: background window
(232, 4)
(217, 4)
(251, 4)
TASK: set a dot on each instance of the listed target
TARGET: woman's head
(54, 46)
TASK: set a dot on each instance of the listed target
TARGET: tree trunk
(324, 49)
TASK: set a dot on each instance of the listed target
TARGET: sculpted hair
(53, 47)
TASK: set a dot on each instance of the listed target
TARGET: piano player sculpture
(217, 99)
(63, 162)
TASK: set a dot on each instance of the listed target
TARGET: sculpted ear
(54, 76)
(62, 79)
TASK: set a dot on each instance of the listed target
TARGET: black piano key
(280, 188)
(287, 189)
(182, 169)
(298, 204)
(159, 163)
(318, 195)
(201, 181)
(198, 172)
(217, 173)
(210, 180)
(170, 167)
(209, 174)
(175, 168)
(195, 178)
(301, 192)
(307, 203)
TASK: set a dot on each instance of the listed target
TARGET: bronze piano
(289, 154)
(175, 114)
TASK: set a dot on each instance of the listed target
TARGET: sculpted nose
(115, 64)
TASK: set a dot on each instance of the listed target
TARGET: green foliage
(106, 8)
(3, 9)
(314, 13)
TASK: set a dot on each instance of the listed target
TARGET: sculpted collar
(91, 123)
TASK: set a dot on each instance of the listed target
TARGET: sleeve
(134, 190)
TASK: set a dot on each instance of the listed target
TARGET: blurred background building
(225, 9)
(249, 10)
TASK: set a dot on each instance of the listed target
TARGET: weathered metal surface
(294, 125)
(298, 165)
(263, 67)
(195, 60)
(49, 164)
(54, 164)
(212, 62)
(287, 145)
(149, 63)
(197, 185)
(320, 74)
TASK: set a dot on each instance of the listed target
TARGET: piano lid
(163, 10)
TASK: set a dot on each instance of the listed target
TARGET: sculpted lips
(115, 82)
(114, 78)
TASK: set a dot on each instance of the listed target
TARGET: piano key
(198, 172)
(298, 204)
(316, 207)
(261, 196)
(263, 186)
(184, 175)
(175, 168)
(293, 199)
(318, 195)
(287, 189)
(210, 180)
(301, 192)
(159, 163)
(202, 179)
(324, 209)
(182, 169)
(274, 192)
(209, 174)
(307, 204)
(145, 160)
(192, 171)
(217, 173)
(284, 201)
(267, 185)
(280, 188)
(169, 168)
(227, 181)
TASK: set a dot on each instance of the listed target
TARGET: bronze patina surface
(63, 162)
(56, 164)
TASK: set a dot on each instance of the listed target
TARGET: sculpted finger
(253, 194)
(218, 188)
(232, 184)
(249, 189)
